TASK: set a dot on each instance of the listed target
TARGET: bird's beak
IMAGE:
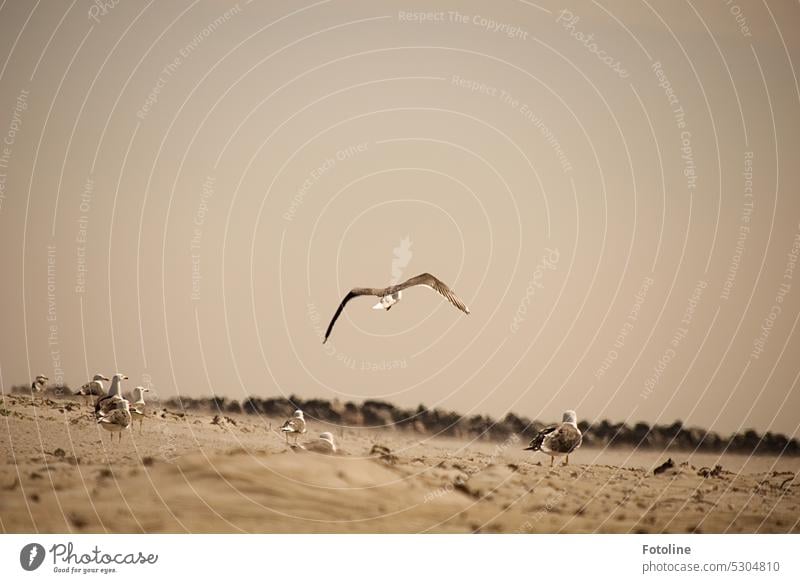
(124, 377)
(378, 306)
(529, 448)
(106, 379)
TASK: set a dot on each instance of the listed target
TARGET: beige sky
(611, 187)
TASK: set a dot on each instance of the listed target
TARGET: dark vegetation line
(382, 415)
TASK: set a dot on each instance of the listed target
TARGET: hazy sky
(188, 189)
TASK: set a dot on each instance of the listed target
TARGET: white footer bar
(382, 558)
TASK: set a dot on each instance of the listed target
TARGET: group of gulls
(111, 411)
(115, 414)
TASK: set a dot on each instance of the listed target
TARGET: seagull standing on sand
(389, 296)
(118, 419)
(558, 440)
(296, 426)
(138, 410)
(38, 384)
(94, 388)
(108, 403)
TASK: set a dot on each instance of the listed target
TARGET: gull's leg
(566, 461)
(552, 461)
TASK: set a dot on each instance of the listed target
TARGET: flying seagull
(557, 440)
(389, 296)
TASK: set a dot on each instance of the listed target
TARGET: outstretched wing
(435, 284)
(355, 292)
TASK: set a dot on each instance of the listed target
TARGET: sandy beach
(192, 472)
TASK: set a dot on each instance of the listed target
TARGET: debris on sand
(384, 453)
(767, 484)
(223, 421)
(706, 472)
(460, 484)
(77, 520)
(165, 412)
(667, 465)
